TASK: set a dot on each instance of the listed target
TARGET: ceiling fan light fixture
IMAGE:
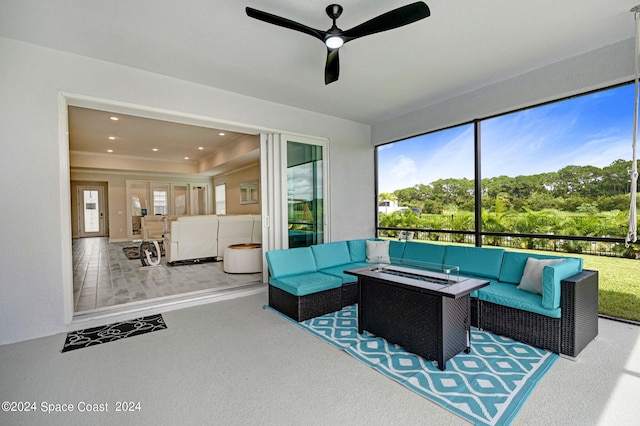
(334, 42)
(334, 37)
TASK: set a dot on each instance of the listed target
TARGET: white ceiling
(463, 45)
(145, 143)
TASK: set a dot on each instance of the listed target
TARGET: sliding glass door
(295, 202)
(305, 194)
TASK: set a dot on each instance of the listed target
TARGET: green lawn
(619, 285)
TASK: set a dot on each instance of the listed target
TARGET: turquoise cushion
(421, 254)
(331, 254)
(396, 250)
(338, 271)
(301, 285)
(482, 262)
(551, 277)
(513, 264)
(475, 293)
(357, 250)
(509, 295)
(293, 261)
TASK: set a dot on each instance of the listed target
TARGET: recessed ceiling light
(221, 133)
(113, 138)
(114, 118)
(201, 148)
(154, 149)
(109, 150)
(186, 158)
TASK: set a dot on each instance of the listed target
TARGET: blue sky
(594, 129)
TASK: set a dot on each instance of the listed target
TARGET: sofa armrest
(552, 277)
(579, 304)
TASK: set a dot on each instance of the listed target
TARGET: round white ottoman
(242, 259)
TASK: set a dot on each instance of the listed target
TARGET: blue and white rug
(486, 387)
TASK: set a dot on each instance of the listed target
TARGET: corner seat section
(303, 285)
(296, 289)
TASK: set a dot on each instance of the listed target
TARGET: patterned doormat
(109, 333)
(488, 386)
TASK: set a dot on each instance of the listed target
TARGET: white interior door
(91, 211)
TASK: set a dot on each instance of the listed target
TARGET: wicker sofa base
(523, 326)
(567, 335)
(475, 312)
(349, 294)
(302, 308)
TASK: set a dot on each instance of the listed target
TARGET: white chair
(192, 237)
(234, 230)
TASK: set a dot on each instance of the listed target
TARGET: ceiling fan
(334, 37)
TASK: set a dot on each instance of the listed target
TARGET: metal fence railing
(597, 246)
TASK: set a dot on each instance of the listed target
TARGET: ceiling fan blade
(283, 22)
(387, 21)
(332, 68)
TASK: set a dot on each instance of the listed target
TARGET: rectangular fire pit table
(425, 311)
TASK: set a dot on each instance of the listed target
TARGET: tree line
(579, 189)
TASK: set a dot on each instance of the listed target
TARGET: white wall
(33, 171)
(600, 68)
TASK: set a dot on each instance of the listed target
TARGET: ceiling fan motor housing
(334, 11)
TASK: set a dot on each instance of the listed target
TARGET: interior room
(138, 175)
(218, 67)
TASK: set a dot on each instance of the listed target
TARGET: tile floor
(103, 276)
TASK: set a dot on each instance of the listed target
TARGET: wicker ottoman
(243, 259)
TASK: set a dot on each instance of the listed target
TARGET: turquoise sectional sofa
(306, 282)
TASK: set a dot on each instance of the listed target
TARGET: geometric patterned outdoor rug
(487, 386)
(109, 333)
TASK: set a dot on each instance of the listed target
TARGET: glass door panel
(199, 199)
(139, 193)
(221, 198)
(180, 199)
(91, 212)
(305, 194)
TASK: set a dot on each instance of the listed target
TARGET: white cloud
(404, 167)
(396, 172)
